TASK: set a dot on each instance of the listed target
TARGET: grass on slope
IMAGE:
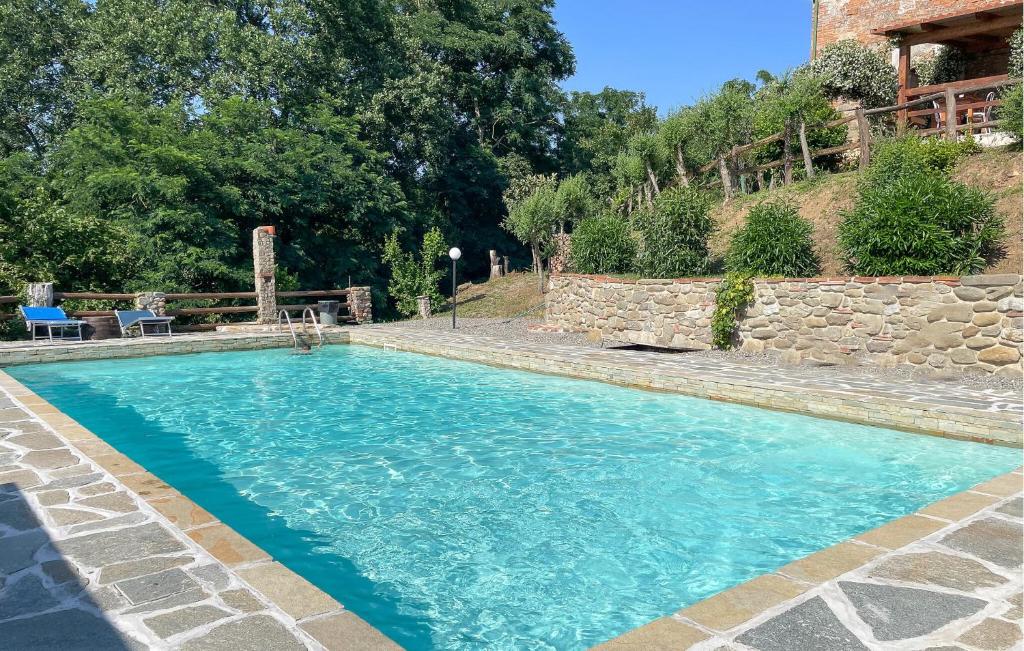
(503, 297)
(995, 171)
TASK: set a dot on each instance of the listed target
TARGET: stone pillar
(360, 304)
(40, 294)
(559, 262)
(154, 301)
(423, 303)
(264, 267)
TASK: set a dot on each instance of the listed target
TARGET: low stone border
(90, 540)
(949, 573)
(977, 416)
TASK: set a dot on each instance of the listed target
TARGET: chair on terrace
(159, 325)
(51, 319)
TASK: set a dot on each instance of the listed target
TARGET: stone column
(264, 267)
(423, 303)
(154, 301)
(40, 294)
(360, 304)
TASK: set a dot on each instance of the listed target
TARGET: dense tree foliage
(171, 127)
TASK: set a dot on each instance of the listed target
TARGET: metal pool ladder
(283, 318)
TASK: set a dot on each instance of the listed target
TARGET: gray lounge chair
(160, 325)
(51, 318)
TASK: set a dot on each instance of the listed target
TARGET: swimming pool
(455, 505)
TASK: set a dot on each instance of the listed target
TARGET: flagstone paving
(88, 563)
(930, 406)
(96, 552)
(957, 586)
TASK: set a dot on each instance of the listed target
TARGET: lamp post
(454, 253)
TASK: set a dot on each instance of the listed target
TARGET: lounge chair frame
(60, 325)
(160, 325)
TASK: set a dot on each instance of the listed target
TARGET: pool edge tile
(335, 628)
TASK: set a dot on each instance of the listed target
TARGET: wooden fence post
(787, 158)
(723, 169)
(808, 165)
(864, 136)
(950, 115)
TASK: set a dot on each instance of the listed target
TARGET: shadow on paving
(43, 601)
(166, 453)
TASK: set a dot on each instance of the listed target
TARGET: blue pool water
(458, 506)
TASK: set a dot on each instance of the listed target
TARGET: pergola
(972, 31)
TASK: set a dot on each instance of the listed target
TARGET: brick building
(835, 20)
(973, 32)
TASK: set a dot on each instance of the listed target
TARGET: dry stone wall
(973, 323)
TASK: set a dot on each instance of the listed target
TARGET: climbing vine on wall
(734, 293)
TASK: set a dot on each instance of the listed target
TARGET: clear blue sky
(674, 51)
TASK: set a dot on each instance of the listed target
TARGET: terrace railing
(945, 99)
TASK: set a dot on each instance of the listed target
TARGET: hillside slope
(997, 172)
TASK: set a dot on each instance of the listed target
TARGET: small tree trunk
(808, 165)
(760, 179)
(723, 170)
(787, 158)
(535, 252)
(864, 136)
(684, 177)
(652, 177)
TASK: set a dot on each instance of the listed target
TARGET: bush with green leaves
(945, 64)
(857, 72)
(674, 235)
(532, 220)
(602, 244)
(733, 294)
(1016, 64)
(775, 241)
(919, 223)
(411, 277)
(910, 155)
(1012, 111)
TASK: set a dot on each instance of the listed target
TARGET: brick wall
(841, 19)
(972, 323)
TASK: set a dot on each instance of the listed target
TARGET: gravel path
(515, 329)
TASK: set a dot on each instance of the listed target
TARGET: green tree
(595, 128)
(849, 70)
(411, 278)
(533, 220)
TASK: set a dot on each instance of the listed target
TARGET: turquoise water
(459, 506)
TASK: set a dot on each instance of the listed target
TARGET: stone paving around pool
(932, 407)
(97, 553)
(947, 577)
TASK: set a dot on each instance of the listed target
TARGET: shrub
(775, 241)
(675, 234)
(1012, 111)
(944, 65)
(892, 159)
(1016, 63)
(532, 220)
(602, 244)
(733, 294)
(919, 223)
(854, 71)
(410, 277)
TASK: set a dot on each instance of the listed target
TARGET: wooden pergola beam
(960, 31)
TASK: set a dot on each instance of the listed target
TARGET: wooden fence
(949, 127)
(327, 294)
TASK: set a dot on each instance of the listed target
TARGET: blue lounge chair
(51, 318)
(128, 318)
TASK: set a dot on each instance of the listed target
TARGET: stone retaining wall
(970, 323)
